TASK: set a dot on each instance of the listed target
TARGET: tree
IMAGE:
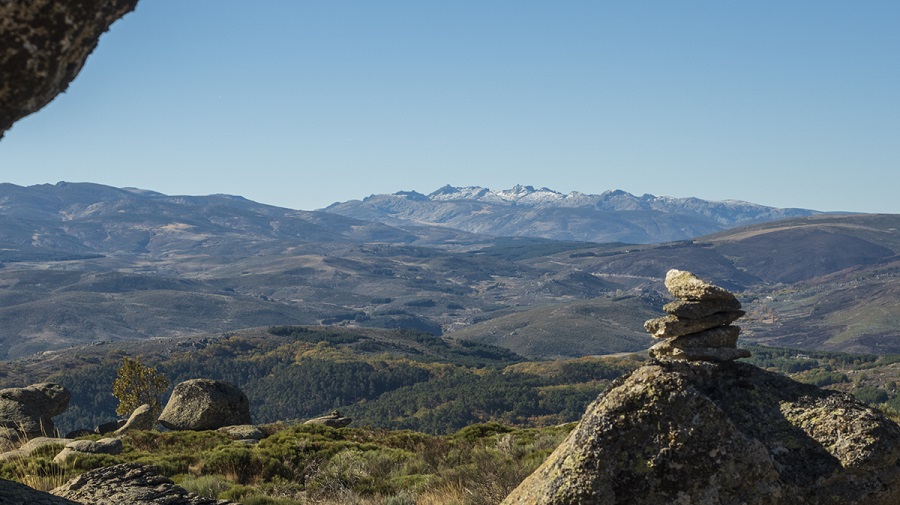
(137, 384)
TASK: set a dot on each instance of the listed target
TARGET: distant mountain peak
(523, 210)
(518, 194)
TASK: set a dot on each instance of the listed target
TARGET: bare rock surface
(205, 404)
(30, 410)
(683, 432)
(333, 420)
(689, 309)
(674, 326)
(13, 493)
(686, 286)
(141, 419)
(43, 46)
(79, 447)
(129, 483)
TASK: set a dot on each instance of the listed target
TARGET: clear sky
(304, 103)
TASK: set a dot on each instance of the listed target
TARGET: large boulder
(205, 404)
(43, 45)
(695, 432)
(30, 410)
(130, 483)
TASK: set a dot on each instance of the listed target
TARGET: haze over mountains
(613, 216)
(83, 263)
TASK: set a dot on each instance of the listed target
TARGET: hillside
(395, 379)
(391, 382)
(613, 216)
(603, 325)
(83, 263)
(823, 282)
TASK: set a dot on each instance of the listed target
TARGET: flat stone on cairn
(698, 327)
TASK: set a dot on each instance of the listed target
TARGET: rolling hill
(83, 263)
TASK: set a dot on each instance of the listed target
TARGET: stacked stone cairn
(698, 327)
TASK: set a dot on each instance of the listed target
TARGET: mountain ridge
(83, 262)
(612, 216)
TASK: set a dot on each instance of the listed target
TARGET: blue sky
(304, 103)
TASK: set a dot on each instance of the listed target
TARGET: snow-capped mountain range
(612, 216)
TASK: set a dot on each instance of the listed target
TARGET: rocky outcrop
(15, 493)
(80, 447)
(29, 410)
(142, 418)
(32, 445)
(43, 45)
(333, 420)
(129, 483)
(695, 432)
(697, 427)
(698, 327)
(204, 404)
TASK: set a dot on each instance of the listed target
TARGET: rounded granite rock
(205, 404)
(703, 433)
(29, 410)
(142, 418)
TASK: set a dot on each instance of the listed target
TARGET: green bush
(242, 464)
(821, 377)
(209, 486)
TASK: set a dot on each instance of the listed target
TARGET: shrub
(209, 486)
(136, 385)
(369, 472)
(478, 431)
(425, 302)
(242, 464)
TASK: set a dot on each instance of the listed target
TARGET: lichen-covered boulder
(43, 45)
(700, 433)
(130, 483)
(142, 418)
(30, 410)
(205, 404)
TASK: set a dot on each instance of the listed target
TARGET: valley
(84, 263)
